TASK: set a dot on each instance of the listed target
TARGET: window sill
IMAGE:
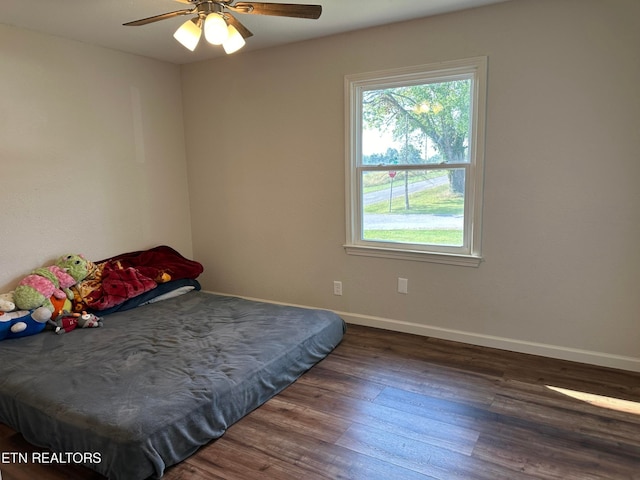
(414, 255)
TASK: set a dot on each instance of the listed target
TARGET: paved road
(409, 221)
(401, 221)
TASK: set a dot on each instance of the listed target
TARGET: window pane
(415, 159)
(417, 124)
(414, 206)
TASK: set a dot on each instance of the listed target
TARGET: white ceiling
(99, 22)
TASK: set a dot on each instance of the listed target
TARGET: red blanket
(128, 275)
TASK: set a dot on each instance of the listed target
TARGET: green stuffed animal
(77, 266)
(35, 289)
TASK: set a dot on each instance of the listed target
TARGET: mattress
(155, 383)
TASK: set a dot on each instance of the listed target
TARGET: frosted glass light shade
(234, 42)
(215, 29)
(188, 35)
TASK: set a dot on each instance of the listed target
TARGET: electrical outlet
(403, 285)
(337, 287)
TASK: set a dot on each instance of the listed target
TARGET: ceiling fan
(220, 26)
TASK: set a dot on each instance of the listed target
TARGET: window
(415, 162)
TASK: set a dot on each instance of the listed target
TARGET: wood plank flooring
(386, 405)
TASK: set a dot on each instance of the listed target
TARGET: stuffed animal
(77, 266)
(23, 323)
(5, 324)
(6, 302)
(60, 306)
(68, 322)
(35, 290)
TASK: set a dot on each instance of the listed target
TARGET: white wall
(92, 153)
(561, 270)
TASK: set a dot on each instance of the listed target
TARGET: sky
(375, 141)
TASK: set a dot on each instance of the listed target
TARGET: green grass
(427, 237)
(436, 201)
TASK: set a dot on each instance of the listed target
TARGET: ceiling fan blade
(242, 30)
(278, 9)
(157, 18)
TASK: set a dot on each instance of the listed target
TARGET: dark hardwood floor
(388, 405)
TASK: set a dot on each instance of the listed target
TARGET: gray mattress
(157, 382)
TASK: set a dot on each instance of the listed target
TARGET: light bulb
(234, 42)
(188, 34)
(215, 29)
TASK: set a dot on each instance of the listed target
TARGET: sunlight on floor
(611, 403)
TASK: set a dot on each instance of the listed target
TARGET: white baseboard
(520, 346)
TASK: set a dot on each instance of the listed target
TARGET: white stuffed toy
(6, 302)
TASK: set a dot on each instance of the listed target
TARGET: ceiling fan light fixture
(221, 27)
(215, 29)
(188, 34)
(234, 42)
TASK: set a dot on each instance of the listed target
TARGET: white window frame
(470, 252)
